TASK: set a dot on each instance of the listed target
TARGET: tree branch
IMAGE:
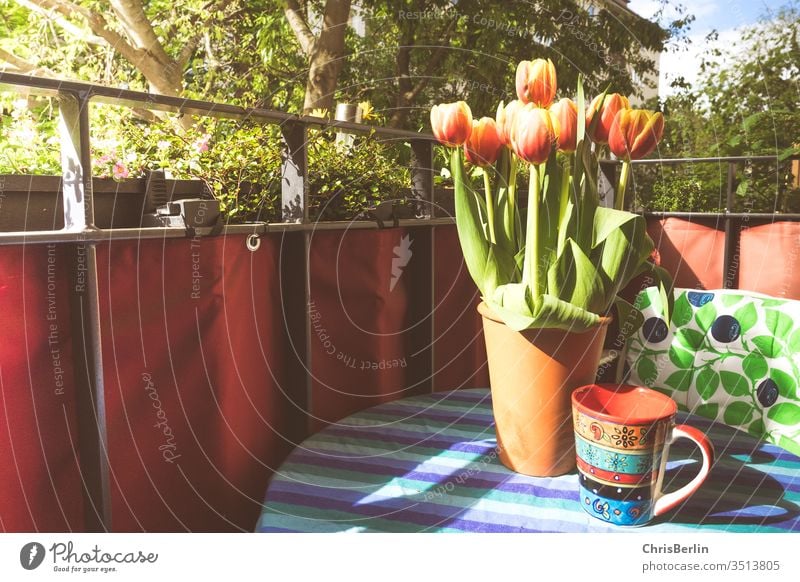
(18, 63)
(63, 23)
(296, 19)
(138, 27)
(188, 50)
(96, 23)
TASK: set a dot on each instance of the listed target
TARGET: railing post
(78, 205)
(730, 262)
(294, 168)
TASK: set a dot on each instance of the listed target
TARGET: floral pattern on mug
(625, 436)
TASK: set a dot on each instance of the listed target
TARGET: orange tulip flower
(565, 113)
(483, 145)
(612, 105)
(536, 82)
(635, 133)
(533, 134)
(505, 120)
(451, 123)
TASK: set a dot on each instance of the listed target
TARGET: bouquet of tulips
(561, 261)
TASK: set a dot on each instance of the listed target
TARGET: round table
(428, 463)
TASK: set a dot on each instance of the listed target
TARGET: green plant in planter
(560, 262)
(345, 181)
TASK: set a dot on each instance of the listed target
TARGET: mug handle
(670, 500)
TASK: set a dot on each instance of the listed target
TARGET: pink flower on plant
(201, 144)
(120, 172)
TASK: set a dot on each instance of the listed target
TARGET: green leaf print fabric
(730, 355)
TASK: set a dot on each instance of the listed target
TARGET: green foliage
(344, 181)
(745, 104)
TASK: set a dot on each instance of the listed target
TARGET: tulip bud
(612, 105)
(533, 134)
(565, 112)
(505, 120)
(451, 123)
(536, 82)
(483, 145)
(635, 133)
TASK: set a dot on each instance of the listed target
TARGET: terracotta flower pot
(532, 375)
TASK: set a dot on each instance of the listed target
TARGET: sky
(726, 16)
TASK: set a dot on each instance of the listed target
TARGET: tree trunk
(327, 57)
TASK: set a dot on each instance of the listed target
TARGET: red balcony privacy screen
(40, 484)
(691, 251)
(204, 398)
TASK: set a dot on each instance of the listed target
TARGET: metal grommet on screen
(253, 242)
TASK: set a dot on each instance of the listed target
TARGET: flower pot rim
(486, 312)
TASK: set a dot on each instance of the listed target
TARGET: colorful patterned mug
(622, 439)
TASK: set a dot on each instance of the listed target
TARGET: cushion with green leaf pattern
(733, 356)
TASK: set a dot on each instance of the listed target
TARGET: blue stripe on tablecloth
(500, 482)
(424, 515)
(345, 476)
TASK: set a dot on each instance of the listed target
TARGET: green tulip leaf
(787, 386)
(707, 410)
(647, 371)
(514, 305)
(574, 279)
(682, 312)
(707, 383)
(680, 380)
(705, 316)
(734, 384)
(608, 220)
(474, 245)
(629, 318)
(553, 312)
(665, 287)
(746, 316)
(500, 267)
(778, 323)
(738, 413)
(681, 358)
(785, 413)
(689, 338)
(767, 345)
(624, 247)
(754, 366)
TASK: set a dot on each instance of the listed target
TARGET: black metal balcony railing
(81, 232)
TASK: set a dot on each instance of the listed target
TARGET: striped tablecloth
(428, 463)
